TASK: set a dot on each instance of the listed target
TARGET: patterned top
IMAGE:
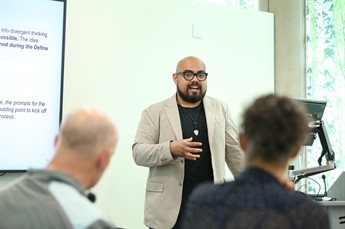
(256, 200)
(48, 199)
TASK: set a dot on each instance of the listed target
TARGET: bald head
(189, 61)
(85, 144)
(87, 130)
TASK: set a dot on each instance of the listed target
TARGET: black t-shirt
(193, 123)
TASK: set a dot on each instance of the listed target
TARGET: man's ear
(174, 76)
(242, 140)
(294, 153)
(104, 158)
(56, 140)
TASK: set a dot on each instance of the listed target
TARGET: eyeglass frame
(194, 75)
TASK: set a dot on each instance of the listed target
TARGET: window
(325, 60)
(244, 4)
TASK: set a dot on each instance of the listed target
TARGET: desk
(336, 209)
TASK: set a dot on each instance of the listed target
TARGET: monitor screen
(315, 108)
(31, 80)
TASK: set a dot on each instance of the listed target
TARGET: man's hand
(185, 148)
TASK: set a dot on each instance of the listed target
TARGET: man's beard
(191, 98)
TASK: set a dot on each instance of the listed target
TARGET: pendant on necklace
(196, 132)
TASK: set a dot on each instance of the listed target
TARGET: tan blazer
(159, 124)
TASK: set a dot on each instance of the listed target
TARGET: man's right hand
(186, 148)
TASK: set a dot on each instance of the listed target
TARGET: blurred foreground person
(57, 197)
(273, 130)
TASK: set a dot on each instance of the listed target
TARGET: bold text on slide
(23, 39)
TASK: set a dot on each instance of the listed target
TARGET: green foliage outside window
(325, 72)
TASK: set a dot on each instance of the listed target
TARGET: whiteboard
(120, 57)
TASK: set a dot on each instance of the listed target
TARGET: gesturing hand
(186, 148)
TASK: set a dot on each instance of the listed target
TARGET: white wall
(120, 56)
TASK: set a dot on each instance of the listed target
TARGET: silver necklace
(195, 120)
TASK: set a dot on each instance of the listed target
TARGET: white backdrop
(120, 56)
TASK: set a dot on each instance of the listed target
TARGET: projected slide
(31, 60)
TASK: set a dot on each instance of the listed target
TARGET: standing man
(185, 140)
(56, 197)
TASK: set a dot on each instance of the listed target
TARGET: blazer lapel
(210, 118)
(174, 116)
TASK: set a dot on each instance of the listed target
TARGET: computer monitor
(315, 109)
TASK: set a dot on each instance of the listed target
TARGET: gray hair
(87, 130)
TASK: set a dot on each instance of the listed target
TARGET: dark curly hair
(273, 126)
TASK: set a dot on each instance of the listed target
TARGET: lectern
(336, 209)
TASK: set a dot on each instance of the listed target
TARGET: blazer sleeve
(147, 149)
(234, 156)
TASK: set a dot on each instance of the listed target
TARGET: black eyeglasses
(189, 75)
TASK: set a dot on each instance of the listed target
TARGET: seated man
(55, 197)
(273, 130)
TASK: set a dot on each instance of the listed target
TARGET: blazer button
(180, 183)
(181, 160)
